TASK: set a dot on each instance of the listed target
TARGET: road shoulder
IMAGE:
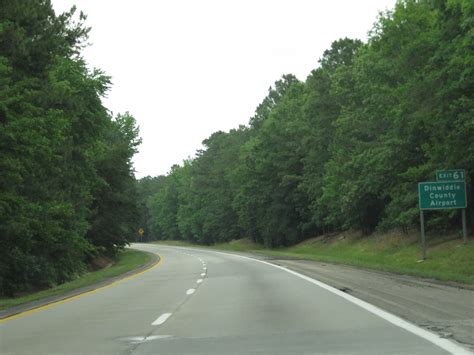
(43, 302)
(447, 310)
(441, 307)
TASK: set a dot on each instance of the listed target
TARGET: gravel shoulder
(443, 309)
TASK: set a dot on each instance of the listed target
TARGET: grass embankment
(448, 259)
(126, 261)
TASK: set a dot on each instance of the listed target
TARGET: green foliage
(126, 260)
(114, 220)
(270, 195)
(65, 165)
(195, 201)
(346, 148)
(145, 189)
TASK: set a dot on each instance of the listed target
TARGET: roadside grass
(448, 259)
(175, 243)
(243, 245)
(127, 260)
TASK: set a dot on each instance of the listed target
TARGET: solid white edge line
(443, 343)
(190, 291)
(161, 319)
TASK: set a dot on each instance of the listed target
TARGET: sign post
(442, 195)
(455, 175)
(423, 242)
(448, 192)
(464, 227)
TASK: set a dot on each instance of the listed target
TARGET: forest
(344, 149)
(67, 184)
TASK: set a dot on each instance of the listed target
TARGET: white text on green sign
(442, 195)
(450, 175)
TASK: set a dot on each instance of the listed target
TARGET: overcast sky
(187, 68)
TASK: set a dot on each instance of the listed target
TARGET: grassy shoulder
(127, 260)
(448, 258)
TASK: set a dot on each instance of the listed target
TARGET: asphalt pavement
(206, 302)
(446, 309)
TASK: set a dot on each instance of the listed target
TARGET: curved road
(206, 302)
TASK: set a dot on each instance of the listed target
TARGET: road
(445, 309)
(205, 302)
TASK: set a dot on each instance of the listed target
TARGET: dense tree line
(67, 187)
(344, 149)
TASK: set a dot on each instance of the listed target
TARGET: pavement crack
(345, 289)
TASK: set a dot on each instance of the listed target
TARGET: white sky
(188, 68)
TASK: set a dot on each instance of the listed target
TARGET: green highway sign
(442, 195)
(450, 175)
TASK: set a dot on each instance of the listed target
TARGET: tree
(115, 208)
(346, 148)
(42, 214)
(270, 203)
(54, 132)
(271, 100)
(146, 188)
(328, 89)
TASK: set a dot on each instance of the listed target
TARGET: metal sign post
(448, 192)
(423, 242)
(464, 227)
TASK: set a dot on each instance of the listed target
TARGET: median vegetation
(125, 261)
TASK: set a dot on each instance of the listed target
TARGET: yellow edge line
(72, 298)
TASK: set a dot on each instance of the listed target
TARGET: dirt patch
(243, 241)
(331, 238)
(101, 262)
(397, 239)
(383, 241)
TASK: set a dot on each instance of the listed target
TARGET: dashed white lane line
(204, 268)
(443, 343)
(203, 274)
(199, 281)
(161, 319)
(190, 291)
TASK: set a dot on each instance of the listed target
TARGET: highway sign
(442, 195)
(450, 175)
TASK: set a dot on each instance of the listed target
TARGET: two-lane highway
(205, 302)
